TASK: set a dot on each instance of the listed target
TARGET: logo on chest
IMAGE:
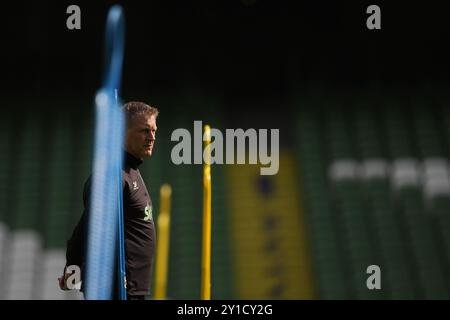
(148, 212)
(135, 186)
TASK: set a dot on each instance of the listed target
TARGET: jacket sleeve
(76, 245)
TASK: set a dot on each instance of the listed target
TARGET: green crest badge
(148, 213)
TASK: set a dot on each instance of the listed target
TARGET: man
(139, 229)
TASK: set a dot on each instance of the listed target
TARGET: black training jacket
(138, 225)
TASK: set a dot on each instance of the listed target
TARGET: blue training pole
(106, 188)
(121, 263)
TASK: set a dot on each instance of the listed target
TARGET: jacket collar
(132, 161)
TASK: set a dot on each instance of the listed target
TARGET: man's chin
(148, 153)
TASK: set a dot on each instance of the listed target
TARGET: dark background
(246, 50)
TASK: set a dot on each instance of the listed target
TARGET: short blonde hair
(136, 108)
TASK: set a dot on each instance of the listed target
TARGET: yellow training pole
(162, 249)
(206, 243)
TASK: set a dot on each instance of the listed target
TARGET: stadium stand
(365, 182)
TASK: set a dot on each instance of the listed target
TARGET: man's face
(140, 136)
